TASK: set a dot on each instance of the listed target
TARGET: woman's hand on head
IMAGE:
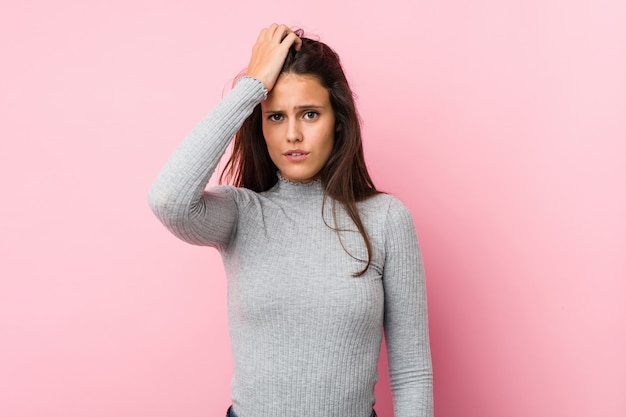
(269, 53)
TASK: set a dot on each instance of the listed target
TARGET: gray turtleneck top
(305, 333)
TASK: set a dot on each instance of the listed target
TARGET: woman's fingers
(269, 53)
(282, 34)
(291, 38)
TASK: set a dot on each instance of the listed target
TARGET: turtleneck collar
(298, 189)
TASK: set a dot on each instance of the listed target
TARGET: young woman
(318, 261)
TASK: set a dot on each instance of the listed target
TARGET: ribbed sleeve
(177, 196)
(406, 317)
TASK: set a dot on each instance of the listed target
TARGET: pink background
(501, 124)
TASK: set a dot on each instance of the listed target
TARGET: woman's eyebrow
(309, 106)
(298, 107)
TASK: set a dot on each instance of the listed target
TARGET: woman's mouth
(296, 155)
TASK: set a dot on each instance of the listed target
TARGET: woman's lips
(296, 155)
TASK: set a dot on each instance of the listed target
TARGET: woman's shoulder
(388, 212)
(239, 194)
(383, 203)
(244, 198)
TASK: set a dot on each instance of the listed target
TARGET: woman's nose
(294, 133)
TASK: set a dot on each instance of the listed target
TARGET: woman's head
(343, 173)
(298, 124)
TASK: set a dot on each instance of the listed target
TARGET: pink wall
(501, 124)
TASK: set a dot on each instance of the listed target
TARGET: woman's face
(298, 126)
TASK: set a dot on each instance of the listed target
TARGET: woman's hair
(344, 176)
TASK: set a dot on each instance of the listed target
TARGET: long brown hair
(344, 176)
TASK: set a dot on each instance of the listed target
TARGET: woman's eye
(311, 115)
(275, 117)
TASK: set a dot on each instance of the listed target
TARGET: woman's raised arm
(178, 195)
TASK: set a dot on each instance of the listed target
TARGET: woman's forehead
(293, 91)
